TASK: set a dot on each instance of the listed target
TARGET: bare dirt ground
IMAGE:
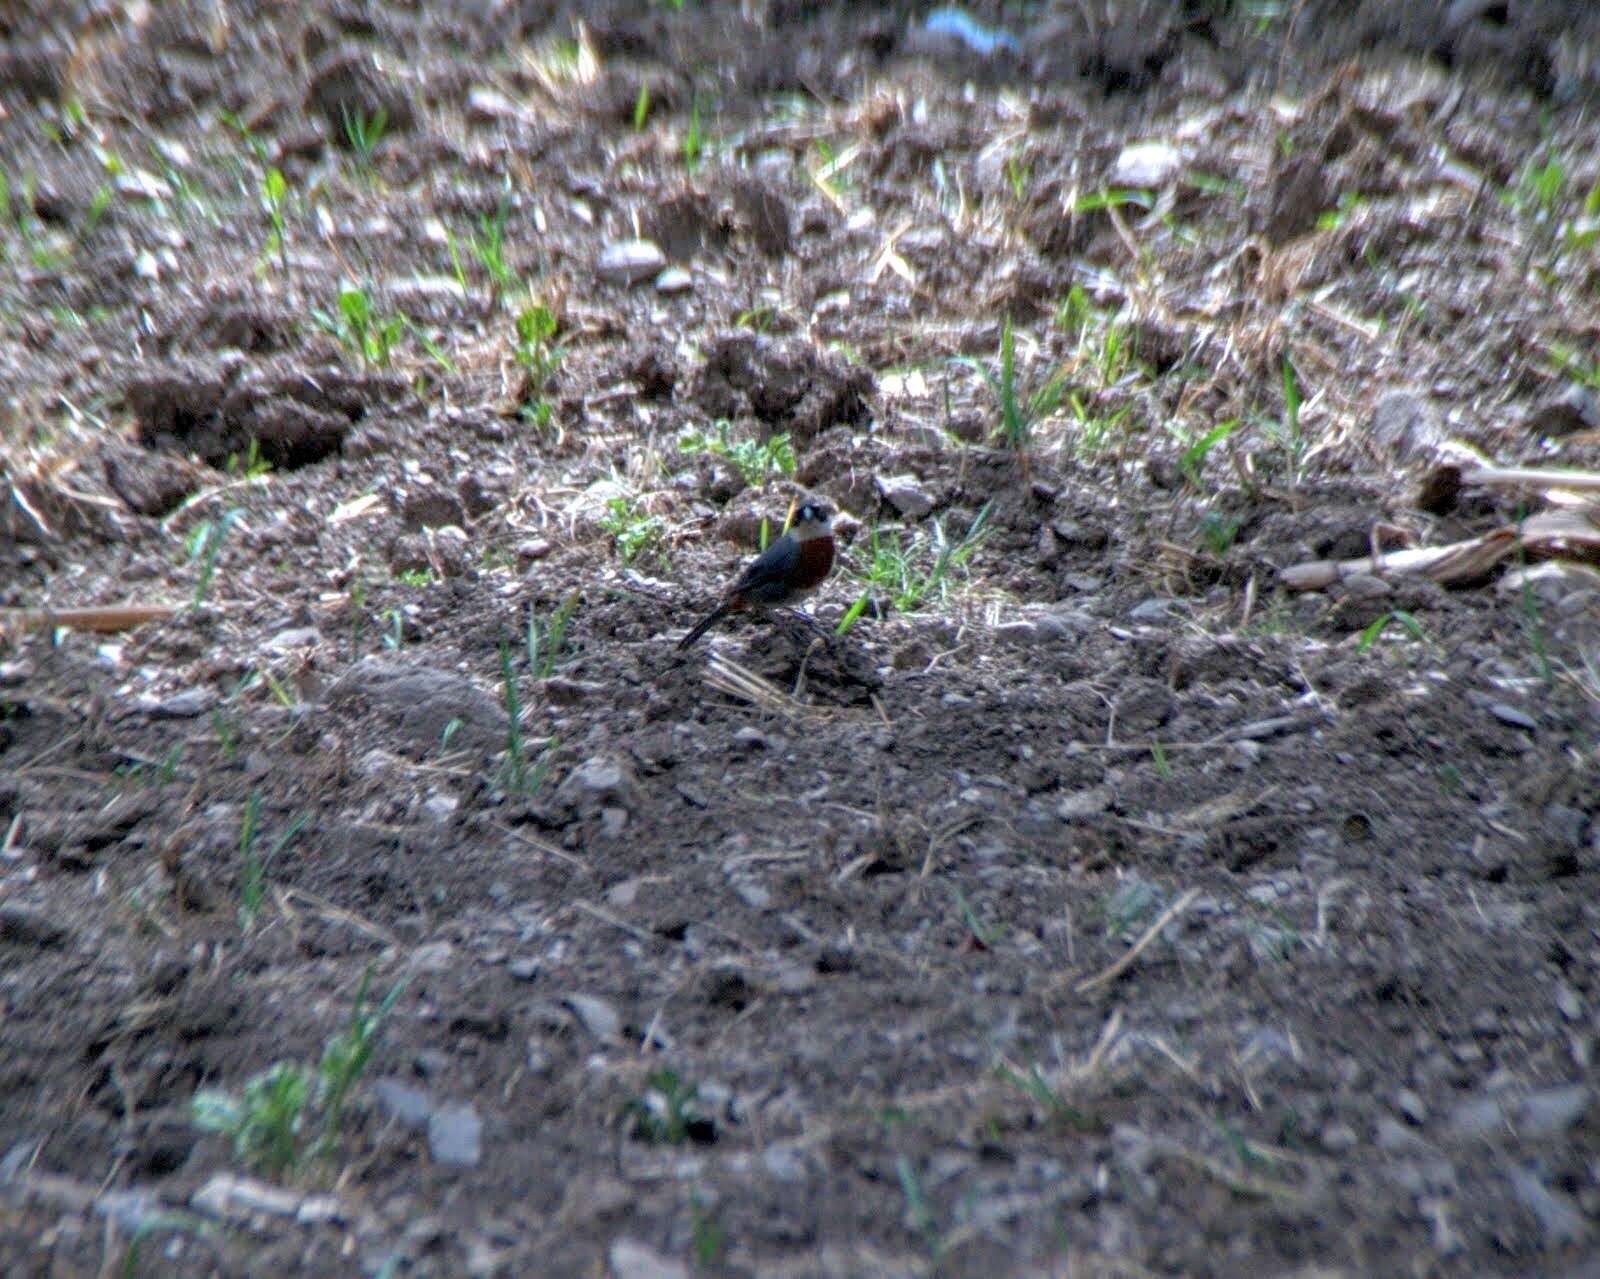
(1093, 904)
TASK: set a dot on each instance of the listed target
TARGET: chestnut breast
(815, 563)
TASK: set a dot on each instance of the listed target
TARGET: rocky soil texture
(1094, 889)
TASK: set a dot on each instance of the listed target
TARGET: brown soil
(1111, 911)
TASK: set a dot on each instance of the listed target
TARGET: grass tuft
(909, 572)
(1020, 410)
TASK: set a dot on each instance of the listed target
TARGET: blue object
(977, 37)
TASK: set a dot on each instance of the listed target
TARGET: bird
(787, 571)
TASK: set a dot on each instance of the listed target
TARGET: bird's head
(813, 519)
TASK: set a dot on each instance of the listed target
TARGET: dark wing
(767, 578)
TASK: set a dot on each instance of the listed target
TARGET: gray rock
(433, 956)
(1549, 1112)
(1411, 1106)
(1406, 425)
(796, 979)
(432, 506)
(419, 703)
(410, 1106)
(238, 1198)
(674, 280)
(1146, 164)
(1575, 409)
(631, 1260)
(1508, 714)
(1364, 586)
(25, 926)
(292, 638)
(784, 1161)
(1151, 610)
(351, 84)
(486, 105)
(906, 494)
(601, 781)
(1569, 827)
(598, 1016)
(1084, 803)
(430, 1063)
(523, 968)
(1558, 1217)
(1047, 549)
(1394, 1135)
(1339, 1137)
(189, 704)
(439, 807)
(15, 674)
(319, 1210)
(455, 1135)
(1022, 634)
(131, 1210)
(1143, 704)
(752, 894)
(16, 1159)
(629, 262)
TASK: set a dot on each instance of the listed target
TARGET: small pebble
(629, 262)
(1508, 714)
(674, 280)
(455, 1135)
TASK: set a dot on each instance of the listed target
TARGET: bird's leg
(816, 627)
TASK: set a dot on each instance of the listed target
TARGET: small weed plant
(1575, 365)
(488, 246)
(519, 775)
(1218, 532)
(755, 460)
(667, 1113)
(292, 1112)
(362, 133)
(1019, 175)
(919, 1215)
(1043, 1094)
(706, 1233)
(1286, 432)
(1107, 348)
(1192, 459)
(694, 139)
(547, 636)
(252, 865)
(205, 545)
(632, 531)
(1092, 430)
(1396, 617)
(1129, 907)
(359, 329)
(537, 354)
(162, 772)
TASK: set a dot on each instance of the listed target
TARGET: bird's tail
(704, 625)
